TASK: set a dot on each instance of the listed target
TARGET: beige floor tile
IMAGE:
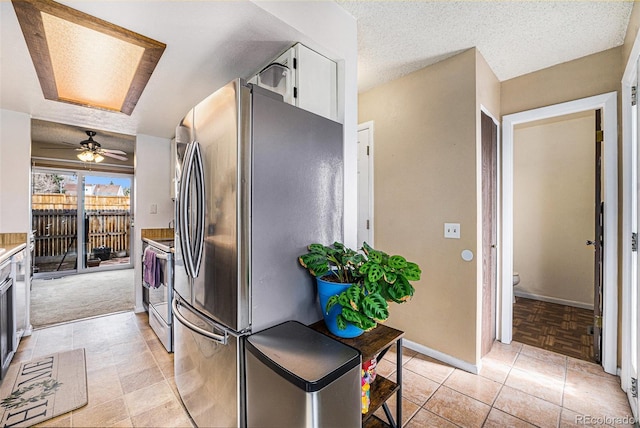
(135, 363)
(570, 419)
(170, 414)
(416, 388)
(428, 367)
(142, 379)
(527, 407)
(409, 409)
(586, 367)
(124, 351)
(385, 368)
(98, 360)
(495, 370)
(595, 395)
(407, 354)
(126, 423)
(457, 408)
(103, 385)
(144, 399)
(505, 354)
(543, 354)
(548, 388)
(166, 368)
(539, 367)
(474, 386)
(425, 418)
(499, 419)
(101, 415)
(159, 351)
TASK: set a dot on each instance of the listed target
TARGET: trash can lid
(303, 356)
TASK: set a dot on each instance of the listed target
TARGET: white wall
(152, 187)
(15, 172)
(553, 184)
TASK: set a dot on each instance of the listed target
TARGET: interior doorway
(554, 183)
(608, 104)
(365, 183)
(83, 266)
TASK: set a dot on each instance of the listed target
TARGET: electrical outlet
(452, 230)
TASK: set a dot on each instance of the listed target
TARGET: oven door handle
(5, 285)
(222, 339)
(161, 255)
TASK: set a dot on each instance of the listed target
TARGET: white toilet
(516, 278)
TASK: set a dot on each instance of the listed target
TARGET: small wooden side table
(376, 343)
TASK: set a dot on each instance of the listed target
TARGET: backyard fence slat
(54, 219)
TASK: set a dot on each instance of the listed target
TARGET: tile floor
(130, 381)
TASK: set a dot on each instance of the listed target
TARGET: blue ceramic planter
(326, 289)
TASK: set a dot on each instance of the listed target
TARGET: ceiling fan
(91, 151)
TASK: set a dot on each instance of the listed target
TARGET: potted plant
(356, 286)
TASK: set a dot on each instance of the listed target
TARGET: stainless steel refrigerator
(257, 181)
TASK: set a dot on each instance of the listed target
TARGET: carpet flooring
(558, 328)
(76, 297)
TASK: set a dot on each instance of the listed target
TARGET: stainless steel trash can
(298, 377)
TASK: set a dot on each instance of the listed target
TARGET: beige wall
(553, 184)
(425, 175)
(592, 75)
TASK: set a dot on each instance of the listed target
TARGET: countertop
(10, 250)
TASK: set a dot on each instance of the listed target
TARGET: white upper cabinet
(304, 78)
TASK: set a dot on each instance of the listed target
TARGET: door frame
(369, 125)
(608, 103)
(80, 226)
(628, 80)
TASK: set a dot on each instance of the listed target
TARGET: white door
(365, 184)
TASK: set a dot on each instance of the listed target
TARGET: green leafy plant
(376, 277)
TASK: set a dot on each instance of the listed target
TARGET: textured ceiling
(211, 42)
(515, 37)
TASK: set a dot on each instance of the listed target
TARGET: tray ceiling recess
(84, 60)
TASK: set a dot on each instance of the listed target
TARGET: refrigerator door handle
(200, 211)
(183, 207)
(221, 339)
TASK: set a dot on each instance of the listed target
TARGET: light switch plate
(452, 230)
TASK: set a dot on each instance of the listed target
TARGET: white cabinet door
(312, 81)
(316, 83)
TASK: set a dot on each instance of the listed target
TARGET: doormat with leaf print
(43, 388)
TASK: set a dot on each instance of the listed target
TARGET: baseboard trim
(441, 356)
(573, 303)
(139, 309)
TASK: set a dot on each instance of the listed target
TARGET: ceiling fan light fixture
(89, 156)
(86, 156)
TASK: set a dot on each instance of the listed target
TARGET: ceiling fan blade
(117, 152)
(111, 155)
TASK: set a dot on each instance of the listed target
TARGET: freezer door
(208, 368)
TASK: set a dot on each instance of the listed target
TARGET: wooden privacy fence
(106, 224)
